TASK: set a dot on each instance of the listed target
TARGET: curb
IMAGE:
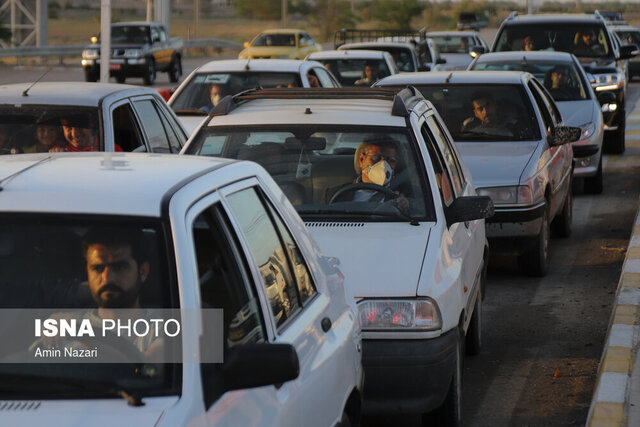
(614, 395)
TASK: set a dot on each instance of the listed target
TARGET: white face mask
(215, 99)
(380, 173)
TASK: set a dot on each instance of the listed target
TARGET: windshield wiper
(190, 112)
(9, 381)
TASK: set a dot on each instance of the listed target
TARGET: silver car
(568, 84)
(521, 159)
(454, 46)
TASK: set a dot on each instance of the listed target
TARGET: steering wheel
(363, 186)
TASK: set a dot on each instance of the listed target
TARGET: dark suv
(589, 38)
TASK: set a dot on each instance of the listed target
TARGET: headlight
(90, 53)
(588, 129)
(609, 81)
(420, 314)
(132, 53)
(517, 194)
(609, 108)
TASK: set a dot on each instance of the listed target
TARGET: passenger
(586, 43)
(313, 80)
(464, 45)
(528, 44)
(47, 136)
(370, 75)
(375, 160)
(79, 136)
(215, 95)
(556, 81)
(486, 116)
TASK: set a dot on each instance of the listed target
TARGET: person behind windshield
(556, 80)
(47, 136)
(370, 75)
(485, 112)
(528, 44)
(376, 160)
(586, 43)
(464, 45)
(5, 146)
(78, 137)
(313, 80)
(215, 95)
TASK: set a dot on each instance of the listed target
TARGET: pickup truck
(138, 49)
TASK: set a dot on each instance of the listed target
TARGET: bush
(331, 15)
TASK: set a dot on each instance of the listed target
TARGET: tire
(89, 76)
(150, 76)
(535, 262)
(450, 413)
(121, 79)
(593, 184)
(473, 339)
(175, 70)
(561, 225)
(616, 143)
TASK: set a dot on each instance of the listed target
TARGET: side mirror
(441, 61)
(94, 39)
(606, 98)
(469, 208)
(564, 135)
(246, 45)
(257, 365)
(628, 51)
(476, 51)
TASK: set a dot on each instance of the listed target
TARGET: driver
(486, 116)
(375, 160)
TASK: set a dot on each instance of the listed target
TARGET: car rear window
(401, 55)
(583, 40)
(311, 163)
(349, 71)
(275, 40)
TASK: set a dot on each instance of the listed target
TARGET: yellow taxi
(280, 44)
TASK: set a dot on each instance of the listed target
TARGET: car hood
(496, 163)
(455, 61)
(270, 50)
(378, 259)
(80, 412)
(191, 123)
(598, 65)
(576, 113)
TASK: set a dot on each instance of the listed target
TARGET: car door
(159, 136)
(558, 167)
(227, 281)
(325, 78)
(124, 127)
(300, 315)
(467, 241)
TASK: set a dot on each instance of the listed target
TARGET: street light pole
(105, 40)
(284, 13)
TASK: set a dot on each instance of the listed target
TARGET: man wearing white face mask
(215, 95)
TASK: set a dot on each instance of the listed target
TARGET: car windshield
(629, 36)
(138, 34)
(484, 112)
(350, 71)
(196, 95)
(49, 263)
(275, 40)
(453, 44)
(319, 168)
(401, 55)
(583, 40)
(566, 85)
(43, 128)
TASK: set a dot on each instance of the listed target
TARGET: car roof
(382, 45)
(624, 27)
(455, 77)
(275, 65)
(451, 33)
(363, 111)
(537, 55)
(123, 183)
(352, 54)
(553, 17)
(75, 93)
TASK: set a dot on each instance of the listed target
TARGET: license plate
(115, 66)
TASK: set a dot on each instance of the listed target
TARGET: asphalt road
(543, 338)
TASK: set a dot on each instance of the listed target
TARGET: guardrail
(64, 51)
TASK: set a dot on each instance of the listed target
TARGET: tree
(259, 9)
(396, 13)
(331, 15)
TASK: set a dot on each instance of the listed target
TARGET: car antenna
(33, 84)
(6, 179)
(448, 78)
(246, 66)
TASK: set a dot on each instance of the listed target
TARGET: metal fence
(62, 52)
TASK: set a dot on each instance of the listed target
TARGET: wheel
(561, 225)
(150, 75)
(473, 339)
(121, 78)
(175, 70)
(535, 262)
(593, 184)
(450, 413)
(89, 76)
(616, 143)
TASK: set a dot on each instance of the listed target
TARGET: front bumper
(514, 230)
(134, 67)
(586, 159)
(407, 376)
(613, 119)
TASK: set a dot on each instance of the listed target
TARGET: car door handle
(326, 324)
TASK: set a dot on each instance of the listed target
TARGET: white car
(202, 234)
(416, 243)
(122, 117)
(348, 66)
(192, 101)
(454, 46)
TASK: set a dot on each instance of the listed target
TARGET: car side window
(448, 153)
(551, 105)
(126, 132)
(442, 174)
(223, 279)
(324, 77)
(175, 139)
(546, 116)
(269, 252)
(153, 127)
